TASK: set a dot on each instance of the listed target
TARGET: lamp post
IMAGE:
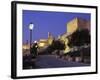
(31, 26)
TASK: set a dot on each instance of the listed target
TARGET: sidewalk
(50, 61)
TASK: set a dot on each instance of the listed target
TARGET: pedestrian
(34, 50)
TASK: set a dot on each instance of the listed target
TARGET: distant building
(42, 42)
(45, 42)
(26, 46)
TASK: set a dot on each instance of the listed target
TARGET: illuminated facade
(45, 42)
(72, 26)
(26, 46)
(77, 23)
(42, 42)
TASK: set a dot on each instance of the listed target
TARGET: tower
(50, 38)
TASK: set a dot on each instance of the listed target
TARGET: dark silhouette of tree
(80, 38)
(56, 45)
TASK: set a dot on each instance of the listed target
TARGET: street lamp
(31, 26)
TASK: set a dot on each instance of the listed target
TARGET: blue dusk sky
(44, 22)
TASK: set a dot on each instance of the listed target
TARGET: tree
(56, 45)
(80, 38)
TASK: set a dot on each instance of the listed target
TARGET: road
(50, 61)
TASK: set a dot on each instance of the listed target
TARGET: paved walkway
(50, 61)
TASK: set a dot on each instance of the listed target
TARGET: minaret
(50, 38)
(49, 35)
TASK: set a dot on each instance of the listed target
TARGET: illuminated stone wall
(77, 23)
(72, 26)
